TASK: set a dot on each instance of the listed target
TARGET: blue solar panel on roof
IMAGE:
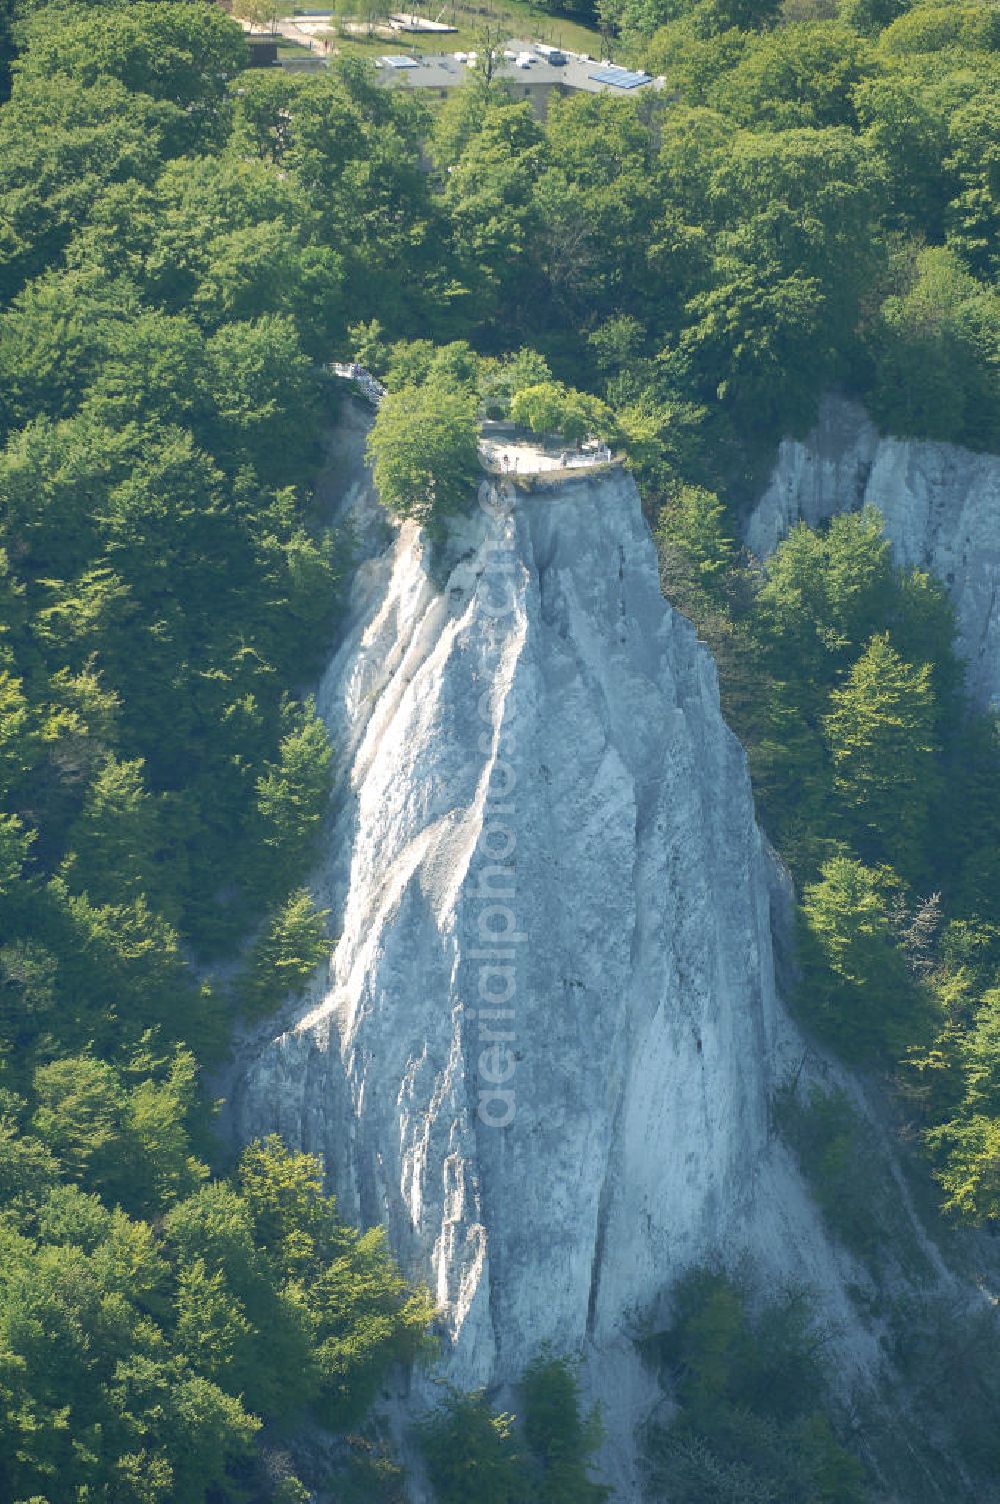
(622, 78)
(397, 60)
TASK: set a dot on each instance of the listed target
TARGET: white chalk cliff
(540, 812)
(941, 506)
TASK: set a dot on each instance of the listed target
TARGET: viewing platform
(368, 385)
(507, 450)
(504, 448)
(524, 457)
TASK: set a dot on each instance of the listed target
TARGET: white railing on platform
(526, 459)
(369, 385)
(511, 457)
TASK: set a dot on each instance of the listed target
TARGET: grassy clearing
(519, 18)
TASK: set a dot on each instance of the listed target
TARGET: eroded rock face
(544, 1048)
(941, 507)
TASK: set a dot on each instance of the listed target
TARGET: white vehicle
(523, 60)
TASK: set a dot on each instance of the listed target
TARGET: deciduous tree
(424, 451)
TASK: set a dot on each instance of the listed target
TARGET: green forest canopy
(811, 202)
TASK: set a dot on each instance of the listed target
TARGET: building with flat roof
(527, 72)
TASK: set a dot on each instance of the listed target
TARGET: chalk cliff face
(941, 507)
(543, 1052)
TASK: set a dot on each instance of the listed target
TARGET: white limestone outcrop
(941, 506)
(543, 1052)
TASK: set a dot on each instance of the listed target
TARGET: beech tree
(968, 1151)
(882, 735)
(292, 943)
(424, 450)
(469, 1448)
(936, 347)
(855, 983)
(549, 407)
(292, 796)
(115, 839)
(563, 1438)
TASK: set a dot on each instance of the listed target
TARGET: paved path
(307, 32)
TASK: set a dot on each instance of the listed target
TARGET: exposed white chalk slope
(941, 506)
(647, 1028)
